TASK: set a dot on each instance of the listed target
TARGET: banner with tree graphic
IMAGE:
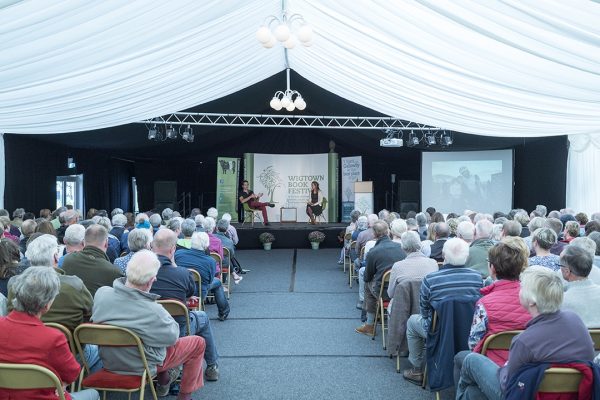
(285, 179)
(228, 172)
(351, 172)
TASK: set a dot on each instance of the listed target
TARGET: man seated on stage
(248, 196)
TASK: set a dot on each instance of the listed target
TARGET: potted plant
(316, 237)
(266, 238)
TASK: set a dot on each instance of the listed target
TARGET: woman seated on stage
(313, 207)
(248, 196)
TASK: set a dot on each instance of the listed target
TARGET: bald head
(164, 242)
(96, 236)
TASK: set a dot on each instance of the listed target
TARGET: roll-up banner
(351, 172)
(228, 173)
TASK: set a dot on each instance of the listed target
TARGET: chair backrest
(560, 380)
(108, 335)
(198, 280)
(362, 253)
(247, 207)
(324, 203)
(348, 236)
(217, 258)
(29, 376)
(595, 334)
(177, 309)
(68, 335)
(499, 341)
(385, 281)
(227, 255)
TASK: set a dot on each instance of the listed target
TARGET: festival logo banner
(228, 172)
(285, 180)
(351, 172)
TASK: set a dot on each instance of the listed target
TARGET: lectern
(363, 197)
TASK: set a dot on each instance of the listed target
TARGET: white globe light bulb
(285, 102)
(282, 32)
(291, 107)
(270, 43)
(290, 43)
(298, 101)
(274, 103)
(301, 105)
(263, 34)
(307, 44)
(305, 33)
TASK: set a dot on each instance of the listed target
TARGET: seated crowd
(61, 269)
(480, 275)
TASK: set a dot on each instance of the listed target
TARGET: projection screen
(479, 181)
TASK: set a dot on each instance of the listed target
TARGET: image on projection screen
(457, 181)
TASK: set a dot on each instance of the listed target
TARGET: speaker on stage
(165, 195)
(409, 195)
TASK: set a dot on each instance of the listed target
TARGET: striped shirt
(449, 281)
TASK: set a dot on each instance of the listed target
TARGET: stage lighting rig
(393, 138)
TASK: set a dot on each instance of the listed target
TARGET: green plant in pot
(316, 237)
(266, 238)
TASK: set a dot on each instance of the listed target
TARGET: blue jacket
(454, 317)
(201, 262)
(524, 384)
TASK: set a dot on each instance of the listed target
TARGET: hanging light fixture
(413, 139)
(287, 31)
(290, 99)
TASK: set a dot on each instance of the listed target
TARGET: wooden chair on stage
(250, 214)
(321, 216)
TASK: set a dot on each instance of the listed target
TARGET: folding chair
(432, 328)
(29, 376)
(351, 264)
(219, 262)
(352, 274)
(69, 336)
(595, 334)
(104, 380)
(560, 380)
(499, 341)
(252, 214)
(198, 280)
(347, 240)
(226, 271)
(177, 309)
(382, 302)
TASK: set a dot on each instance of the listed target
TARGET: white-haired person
(155, 221)
(215, 245)
(114, 244)
(199, 220)
(196, 258)
(188, 227)
(213, 213)
(129, 304)
(465, 230)
(542, 240)
(227, 243)
(118, 225)
(73, 240)
(541, 294)
(397, 228)
(27, 340)
(582, 295)
(166, 214)
(414, 267)
(137, 239)
(231, 231)
(479, 247)
(452, 279)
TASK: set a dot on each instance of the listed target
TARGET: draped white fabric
(2, 170)
(583, 191)
(509, 68)
(81, 65)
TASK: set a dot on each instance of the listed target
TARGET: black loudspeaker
(165, 194)
(409, 195)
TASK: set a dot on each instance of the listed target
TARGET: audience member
(73, 240)
(9, 263)
(215, 245)
(226, 242)
(196, 258)
(118, 226)
(511, 228)
(366, 235)
(582, 295)
(27, 229)
(441, 236)
(155, 221)
(542, 241)
(231, 231)
(534, 224)
(68, 218)
(541, 295)
(199, 220)
(166, 214)
(129, 304)
(91, 264)
(30, 341)
(137, 239)
(556, 226)
(571, 231)
(523, 219)
(421, 219)
(188, 227)
(381, 258)
(174, 282)
(414, 267)
(595, 236)
(5, 230)
(592, 226)
(588, 245)
(45, 227)
(499, 309)
(465, 231)
(453, 279)
(479, 247)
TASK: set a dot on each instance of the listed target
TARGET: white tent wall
(583, 191)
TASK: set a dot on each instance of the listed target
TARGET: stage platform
(288, 235)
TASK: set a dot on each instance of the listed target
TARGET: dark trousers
(257, 205)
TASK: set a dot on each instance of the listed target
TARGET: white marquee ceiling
(511, 68)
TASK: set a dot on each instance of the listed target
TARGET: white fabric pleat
(583, 192)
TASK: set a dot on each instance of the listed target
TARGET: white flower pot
(267, 246)
(315, 245)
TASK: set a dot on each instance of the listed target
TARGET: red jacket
(25, 340)
(504, 312)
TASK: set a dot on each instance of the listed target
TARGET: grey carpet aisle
(290, 335)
